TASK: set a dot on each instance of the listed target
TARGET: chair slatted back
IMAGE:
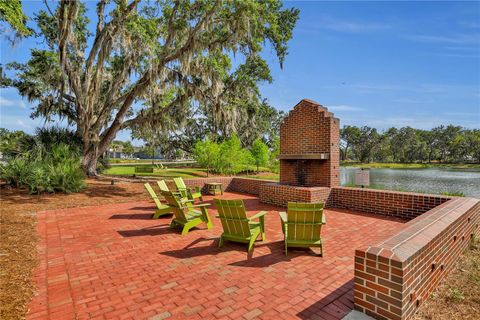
(233, 216)
(162, 185)
(179, 183)
(153, 194)
(304, 221)
(178, 209)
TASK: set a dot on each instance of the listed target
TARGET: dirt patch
(19, 237)
(459, 295)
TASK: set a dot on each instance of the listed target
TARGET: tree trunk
(89, 163)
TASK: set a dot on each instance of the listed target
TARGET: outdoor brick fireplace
(309, 156)
(309, 138)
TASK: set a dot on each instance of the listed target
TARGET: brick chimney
(309, 146)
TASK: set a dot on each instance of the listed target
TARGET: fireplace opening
(301, 172)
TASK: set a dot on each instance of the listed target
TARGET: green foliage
(455, 294)
(274, 163)
(228, 157)
(42, 169)
(15, 171)
(259, 152)
(12, 142)
(206, 153)
(453, 193)
(48, 137)
(11, 12)
(450, 144)
(128, 148)
(233, 158)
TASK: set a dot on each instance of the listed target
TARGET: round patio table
(213, 187)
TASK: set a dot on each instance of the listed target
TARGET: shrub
(453, 193)
(206, 153)
(45, 171)
(259, 153)
(273, 163)
(15, 171)
(233, 159)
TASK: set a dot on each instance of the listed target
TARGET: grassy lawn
(264, 176)
(389, 165)
(168, 173)
(165, 173)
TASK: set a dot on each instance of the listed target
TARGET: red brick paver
(114, 262)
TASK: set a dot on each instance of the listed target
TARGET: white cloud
(339, 25)
(462, 39)
(350, 26)
(23, 125)
(414, 101)
(459, 55)
(470, 24)
(343, 107)
(13, 122)
(4, 102)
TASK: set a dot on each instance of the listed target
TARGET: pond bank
(394, 165)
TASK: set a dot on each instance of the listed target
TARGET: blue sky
(379, 64)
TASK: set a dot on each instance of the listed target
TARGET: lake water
(431, 180)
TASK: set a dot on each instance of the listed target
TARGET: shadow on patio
(335, 305)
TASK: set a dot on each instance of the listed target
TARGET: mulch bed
(18, 254)
(458, 297)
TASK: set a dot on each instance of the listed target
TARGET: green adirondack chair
(236, 226)
(187, 192)
(162, 209)
(162, 185)
(186, 214)
(302, 225)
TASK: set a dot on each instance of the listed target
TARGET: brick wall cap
(420, 231)
(278, 184)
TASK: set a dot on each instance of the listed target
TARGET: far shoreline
(395, 165)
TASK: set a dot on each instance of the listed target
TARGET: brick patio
(113, 261)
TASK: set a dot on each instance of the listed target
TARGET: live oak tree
(167, 54)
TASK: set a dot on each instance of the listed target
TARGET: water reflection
(431, 180)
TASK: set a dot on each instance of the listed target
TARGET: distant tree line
(446, 144)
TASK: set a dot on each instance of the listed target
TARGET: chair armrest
(283, 216)
(258, 215)
(201, 205)
(185, 200)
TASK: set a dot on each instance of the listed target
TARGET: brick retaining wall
(406, 205)
(191, 183)
(395, 276)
